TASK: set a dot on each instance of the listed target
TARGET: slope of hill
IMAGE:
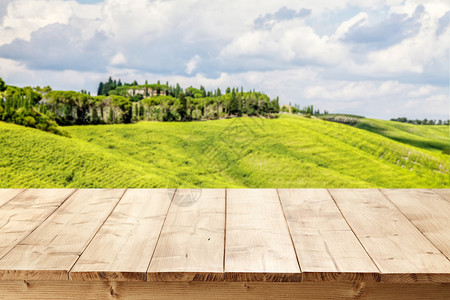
(33, 158)
(286, 152)
(434, 138)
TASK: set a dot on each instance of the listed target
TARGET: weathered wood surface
(258, 245)
(325, 245)
(429, 212)
(401, 252)
(444, 193)
(191, 245)
(25, 212)
(367, 238)
(51, 250)
(7, 195)
(122, 248)
(219, 290)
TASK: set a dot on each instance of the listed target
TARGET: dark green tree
(141, 111)
(95, 117)
(234, 104)
(100, 89)
(111, 115)
(202, 89)
(183, 109)
(178, 90)
(2, 85)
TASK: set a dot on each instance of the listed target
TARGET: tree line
(23, 106)
(118, 102)
(306, 110)
(421, 122)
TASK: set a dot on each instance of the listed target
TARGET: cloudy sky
(380, 59)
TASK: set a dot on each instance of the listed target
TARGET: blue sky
(380, 59)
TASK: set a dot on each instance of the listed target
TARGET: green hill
(286, 152)
(434, 138)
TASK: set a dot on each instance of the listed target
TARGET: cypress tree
(234, 105)
(141, 110)
(183, 109)
(100, 89)
(2, 85)
(95, 118)
(111, 114)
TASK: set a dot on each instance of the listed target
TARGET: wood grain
(50, 251)
(258, 244)
(326, 247)
(8, 194)
(20, 216)
(428, 211)
(444, 193)
(123, 247)
(223, 242)
(398, 248)
(191, 246)
(218, 290)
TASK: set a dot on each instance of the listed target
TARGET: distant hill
(288, 152)
(431, 137)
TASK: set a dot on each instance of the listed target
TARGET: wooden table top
(243, 235)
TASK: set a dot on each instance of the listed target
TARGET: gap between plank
(290, 235)
(398, 208)
(354, 233)
(56, 208)
(159, 235)
(225, 233)
(93, 236)
(20, 193)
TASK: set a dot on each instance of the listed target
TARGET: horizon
(384, 60)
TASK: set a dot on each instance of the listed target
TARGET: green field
(434, 138)
(290, 151)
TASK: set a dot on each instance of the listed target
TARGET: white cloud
(360, 19)
(288, 45)
(118, 59)
(192, 64)
(24, 17)
(414, 54)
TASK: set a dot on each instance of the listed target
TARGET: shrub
(343, 119)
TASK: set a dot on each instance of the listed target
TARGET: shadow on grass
(415, 141)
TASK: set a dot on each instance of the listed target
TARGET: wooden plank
(218, 290)
(258, 244)
(428, 211)
(191, 246)
(123, 247)
(400, 251)
(20, 216)
(444, 193)
(326, 247)
(51, 250)
(8, 194)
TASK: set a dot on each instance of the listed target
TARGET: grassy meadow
(287, 152)
(434, 138)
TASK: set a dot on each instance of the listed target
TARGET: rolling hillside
(434, 138)
(286, 152)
